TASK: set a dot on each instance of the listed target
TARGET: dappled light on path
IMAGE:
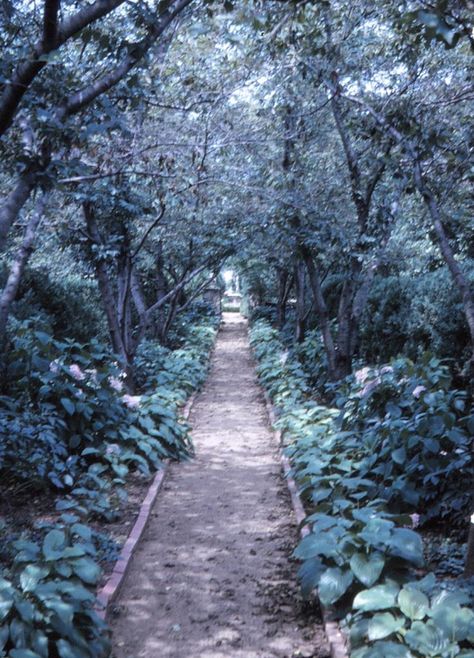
(212, 577)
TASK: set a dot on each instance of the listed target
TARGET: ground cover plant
(393, 452)
(69, 427)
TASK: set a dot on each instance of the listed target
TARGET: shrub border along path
(334, 634)
(109, 592)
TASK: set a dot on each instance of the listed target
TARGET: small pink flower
(386, 370)
(362, 375)
(116, 384)
(76, 372)
(54, 367)
(369, 387)
(132, 401)
(415, 520)
(418, 391)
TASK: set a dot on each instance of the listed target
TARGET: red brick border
(334, 635)
(108, 593)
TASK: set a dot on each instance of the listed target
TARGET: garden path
(212, 577)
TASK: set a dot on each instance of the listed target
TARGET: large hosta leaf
(383, 650)
(407, 544)
(383, 624)
(367, 568)
(314, 545)
(456, 623)
(309, 574)
(379, 597)
(333, 584)
(427, 639)
(413, 603)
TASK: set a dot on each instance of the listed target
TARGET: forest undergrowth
(384, 465)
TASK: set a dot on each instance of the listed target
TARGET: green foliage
(401, 436)
(68, 304)
(71, 424)
(47, 601)
(408, 315)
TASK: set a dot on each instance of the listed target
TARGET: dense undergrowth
(392, 452)
(68, 426)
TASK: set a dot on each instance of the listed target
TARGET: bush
(408, 315)
(353, 462)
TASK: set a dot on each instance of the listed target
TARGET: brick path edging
(108, 593)
(337, 643)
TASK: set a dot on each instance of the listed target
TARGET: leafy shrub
(47, 602)
(348, 464)
(70, 303)
(408, 315)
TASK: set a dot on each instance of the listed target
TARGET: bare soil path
(212, 576)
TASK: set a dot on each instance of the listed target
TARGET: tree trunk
(322, 312)
(13, 203)
(469, 566)
(300, 283)
(109, 300)
(456, 272)
(18, 267)
(285, 282)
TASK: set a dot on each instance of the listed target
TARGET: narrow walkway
(212, 577)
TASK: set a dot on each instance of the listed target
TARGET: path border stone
(337, 642)
(109, 592)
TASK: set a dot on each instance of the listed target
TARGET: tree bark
(18, 267)
(14, 202)
(300, 285)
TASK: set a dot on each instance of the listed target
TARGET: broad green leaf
(427, 639)
(4, 635)
(23, 653)
(312, 546)
(383, 650)
(31, 576)
(53, 544)
(413, 603)
(333, 584)
(407, 544)
(6, 602)
(379, 597)
(367, 568)
(383, 624)
(68, 405)
(87, 570)
(456, 623)
(309, 574)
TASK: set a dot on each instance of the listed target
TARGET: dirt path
(212, 578)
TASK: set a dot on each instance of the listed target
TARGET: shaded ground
(212, 577)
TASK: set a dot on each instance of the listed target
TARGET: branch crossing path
(212, 576)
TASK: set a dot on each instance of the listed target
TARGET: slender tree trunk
(18, 267)
(285, 282)
(106, 289)
(469, 566)
(14, 202)
(455, 270)
(300, 284)
(322, 312)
